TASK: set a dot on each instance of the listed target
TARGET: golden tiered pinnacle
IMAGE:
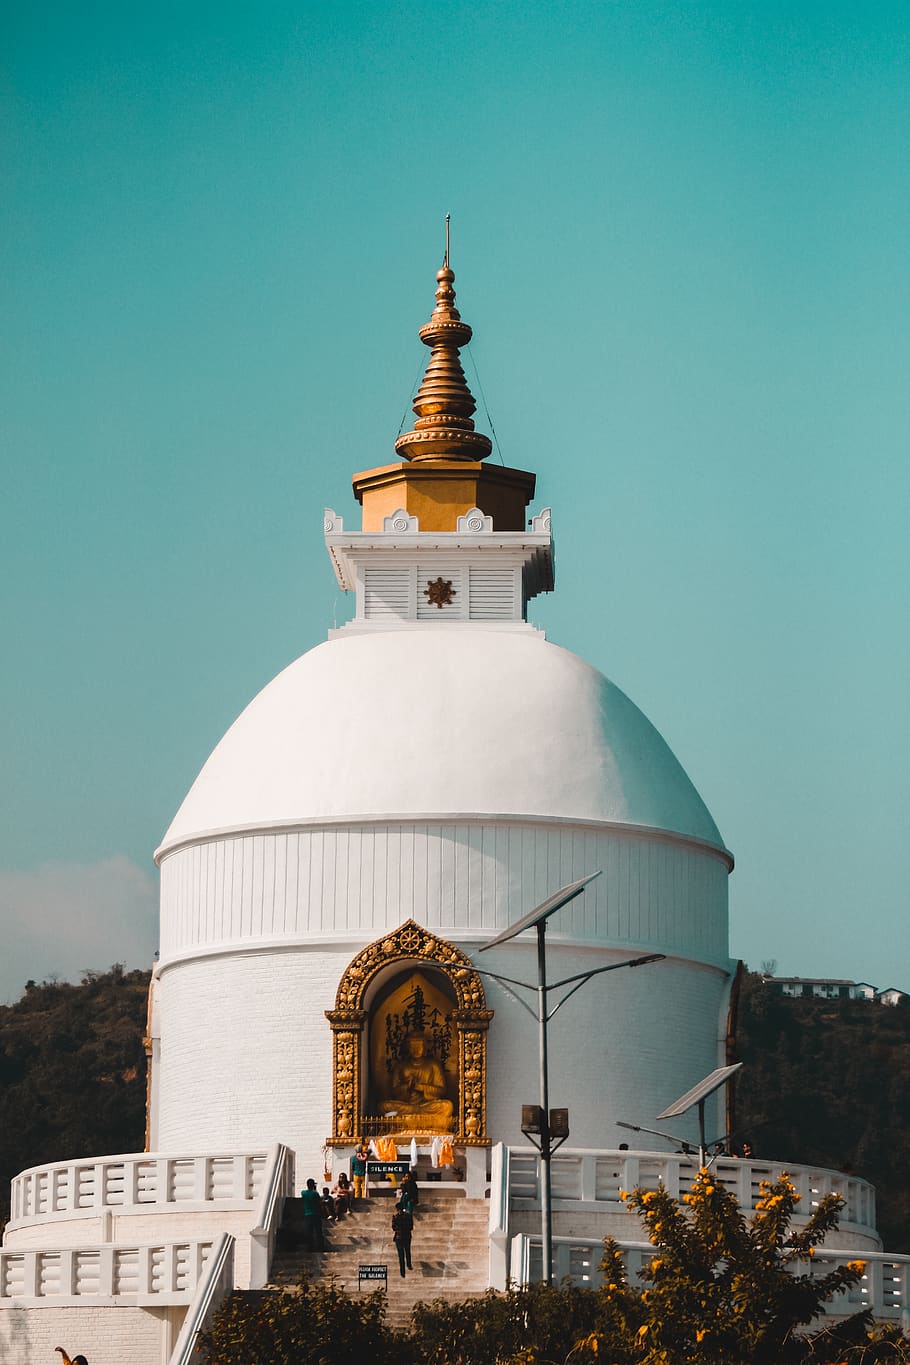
(444, 403)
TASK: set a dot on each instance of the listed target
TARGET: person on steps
(313, 1216)
(409, 1195)
(402, 1227)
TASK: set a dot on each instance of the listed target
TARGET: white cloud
(64, 917)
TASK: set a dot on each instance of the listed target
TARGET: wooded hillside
(827, 1083)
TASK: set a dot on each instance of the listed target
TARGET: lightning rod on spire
(445, 264)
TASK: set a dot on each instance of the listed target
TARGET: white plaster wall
(364, 879)
(247, 1050)
(104, 1335)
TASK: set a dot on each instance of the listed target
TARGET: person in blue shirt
(313, 1215)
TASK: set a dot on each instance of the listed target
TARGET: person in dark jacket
(402, 1227)
(408, 1194)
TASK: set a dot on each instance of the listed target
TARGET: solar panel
(547, 907)
(699, 1092)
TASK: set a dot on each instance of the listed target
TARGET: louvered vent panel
(431, 573)
(492, 594)
(386, 593)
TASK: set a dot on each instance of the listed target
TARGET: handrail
(278, 1182)
(499, 1189)
(278, 1186)
(211, 1291)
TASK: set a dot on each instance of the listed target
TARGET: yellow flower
(701, 1334)
(858, 1267)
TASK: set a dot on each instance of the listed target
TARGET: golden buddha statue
(418, 1089)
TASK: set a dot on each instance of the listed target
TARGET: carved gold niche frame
(410, 945)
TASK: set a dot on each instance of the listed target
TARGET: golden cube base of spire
(439, 492)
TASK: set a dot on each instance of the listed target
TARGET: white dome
(439, 723)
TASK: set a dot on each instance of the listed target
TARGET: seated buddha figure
(418, 1089)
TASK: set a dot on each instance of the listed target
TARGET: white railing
(277, 1186)
(211, 1291)
(595, 1178)
(884, 1288)
(498, 1226)
(137, 1182)
(164, 1273)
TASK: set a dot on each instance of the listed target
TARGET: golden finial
(444, 403)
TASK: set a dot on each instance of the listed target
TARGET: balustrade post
(30, 1274)
(873, 1285)
(202, 1167)
(106, 1272)
(744, 1185)
(144, 1270)
(629, 1172)
(131, 1182)
(588, 1191)
(98, 1198)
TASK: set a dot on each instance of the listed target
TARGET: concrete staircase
(449, 1249)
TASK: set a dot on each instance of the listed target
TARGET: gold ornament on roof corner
(444, 429)
(439, 592)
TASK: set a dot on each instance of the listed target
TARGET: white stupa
(384, 808)
(435, 763)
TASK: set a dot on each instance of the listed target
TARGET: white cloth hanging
(414, 1152)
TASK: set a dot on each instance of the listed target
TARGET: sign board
(387, 1168)
(373, 1272)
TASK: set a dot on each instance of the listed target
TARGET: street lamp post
(537, 919)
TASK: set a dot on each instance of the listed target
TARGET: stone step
(449, 1250)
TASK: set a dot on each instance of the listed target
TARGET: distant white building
(821, 988)
(387, 805)
(832, 988)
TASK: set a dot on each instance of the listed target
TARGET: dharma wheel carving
(409, 946)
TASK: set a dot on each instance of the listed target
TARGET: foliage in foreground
(722, 1289)
(719, 1290)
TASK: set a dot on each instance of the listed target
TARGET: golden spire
(444, 403)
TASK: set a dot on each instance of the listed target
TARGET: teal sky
(680, 233)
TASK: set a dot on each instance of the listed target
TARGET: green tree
(318, 1324)
(72, 1071)
(721, 1289)
(827, 1083)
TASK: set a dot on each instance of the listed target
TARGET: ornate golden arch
(410, 943)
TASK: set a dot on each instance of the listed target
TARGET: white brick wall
(105, 1336)
(247, 1050)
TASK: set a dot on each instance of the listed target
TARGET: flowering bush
(721, 1290)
